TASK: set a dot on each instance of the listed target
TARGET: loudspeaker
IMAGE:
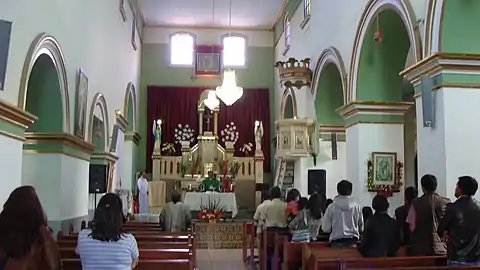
(97, 180)
(317, 182)
(428, 105)
(5, 33)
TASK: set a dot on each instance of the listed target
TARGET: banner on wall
(5, 33)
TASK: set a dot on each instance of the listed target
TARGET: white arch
(329, 56)
(288, 93)
(405, 11)
(131, 93)
(433, 27)
(45, 44)
(99, 100)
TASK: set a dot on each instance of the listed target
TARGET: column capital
(121, 121)
(57, 143)
(372, 112)
(438, 63)
(103, 158)
(14, 121)
(132, 136)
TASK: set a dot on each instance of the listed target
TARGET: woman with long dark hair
(105, 245)
(26, 242)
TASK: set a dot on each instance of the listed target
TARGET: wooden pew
(248, 243)
(176, 264)
(268, 241)
(377, 263)
(147, 245)
(292, 253)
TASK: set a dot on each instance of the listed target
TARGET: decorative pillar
(13, 123)
(186, 151)
(449, 148)
(132, 140)
(117, 184)
(215, 121)
(258, 158)
(200, 122)
(372, 127)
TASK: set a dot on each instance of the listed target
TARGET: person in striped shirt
(105, 246)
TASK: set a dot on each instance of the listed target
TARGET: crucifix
(208, 117)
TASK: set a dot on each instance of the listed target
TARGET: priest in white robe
(142, 185)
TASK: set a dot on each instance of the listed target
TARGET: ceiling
(199, 13)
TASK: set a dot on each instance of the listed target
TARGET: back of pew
(175, 264)
(377, 263)
(143, 238)
(152, 254)
(292, 252)
(147, 245)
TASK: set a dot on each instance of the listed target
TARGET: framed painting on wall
(122, 9)
(81, 104)
(5, 33)
(134, 31)
(384, 173)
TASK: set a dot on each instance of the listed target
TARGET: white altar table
(226, 201)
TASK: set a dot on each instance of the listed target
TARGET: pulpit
(186, 171)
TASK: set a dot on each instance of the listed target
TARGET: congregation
(429, 225)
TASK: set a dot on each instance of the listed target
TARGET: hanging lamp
(212, 101)
(229, 92)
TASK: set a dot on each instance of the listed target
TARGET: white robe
(142, 186)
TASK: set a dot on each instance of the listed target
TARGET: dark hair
(367, 212)
(176, 196)
(344, 188)
(411, 193)
(429, 183)
(316, 205)
(292, 195)
(467, 185)
(327, 203)
(266, 196)
(108, 219)
(302, 203)
(380, 203)
(275, 192)
(21, 222)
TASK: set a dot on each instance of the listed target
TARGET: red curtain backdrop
(252, 106)
(178, 105)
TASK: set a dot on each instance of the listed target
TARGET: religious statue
(258, 131)
(157, 134)
(208, 118)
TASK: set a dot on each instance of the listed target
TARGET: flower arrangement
(386, 190)
(247, 148)
(194, 166)
(183, 133)
(168, 148)
(229, 133)
(210, 211)
(234, 168)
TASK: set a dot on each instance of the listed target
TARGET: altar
(213, 150)
(224, 201)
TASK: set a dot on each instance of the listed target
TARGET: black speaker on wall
(97, 180)
(317, 182)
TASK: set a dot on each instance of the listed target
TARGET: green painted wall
(155, 70)
(329, 96)
(380, 63)
(43, 99)
(459, 31)
(292, 6)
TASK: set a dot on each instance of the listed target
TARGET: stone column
(132, 139)
(450, 148)
(258, 158)
(215, 122)
(13, 122)
(200, 122)
(372, 127)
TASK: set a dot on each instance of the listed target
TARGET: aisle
(220, 259)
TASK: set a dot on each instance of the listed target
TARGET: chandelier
(212, 101)
(229, 92)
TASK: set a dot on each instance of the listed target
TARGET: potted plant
(229, 135)
(168, 149)
(184, 135)
(234, 168)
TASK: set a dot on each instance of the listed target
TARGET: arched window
(286, 25)
(182, 49)
(306, 8)
(234, 49)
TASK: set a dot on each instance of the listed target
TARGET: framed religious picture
(81, 104)
(134, 31)
(5, 32)
(384, 173)
(208, 60)
(122, 9)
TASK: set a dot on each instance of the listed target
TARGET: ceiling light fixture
(212, 101)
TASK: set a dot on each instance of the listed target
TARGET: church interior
(289, 93)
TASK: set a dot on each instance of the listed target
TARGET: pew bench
(175, 264)
(376, 263)
(147, 245)
(292, 253)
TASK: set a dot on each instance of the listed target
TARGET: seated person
(211, 183)
(382, 235)
(343, 218)
(175, 215)
(105, 245)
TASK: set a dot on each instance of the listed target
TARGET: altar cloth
(226, 201)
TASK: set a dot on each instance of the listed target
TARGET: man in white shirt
(142, 185)
(259, 213)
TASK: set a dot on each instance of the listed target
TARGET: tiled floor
(220, 259)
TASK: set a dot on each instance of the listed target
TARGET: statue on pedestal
(157, 135)
(208, 118)
(258, 131)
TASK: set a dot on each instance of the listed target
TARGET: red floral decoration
(209, 214)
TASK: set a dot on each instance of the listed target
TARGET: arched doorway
(378, 97)
(288, 108)
(328, 92)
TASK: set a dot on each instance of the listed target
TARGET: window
(306, 8)
(182, 49)
(286, 25)
(234, 51)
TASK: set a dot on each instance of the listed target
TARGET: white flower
(231, 123)
(179, 125)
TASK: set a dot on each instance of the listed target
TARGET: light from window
(181, 49)
(306, 8)
(287, 31)
(234, 51)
